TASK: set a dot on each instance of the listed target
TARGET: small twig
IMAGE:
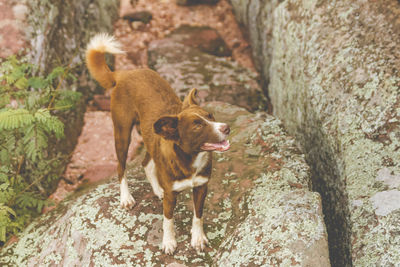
(58, 87)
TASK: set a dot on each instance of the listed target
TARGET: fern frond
(15, 118)
(50, 123)
(57, 72)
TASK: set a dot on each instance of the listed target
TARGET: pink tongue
(222, 146)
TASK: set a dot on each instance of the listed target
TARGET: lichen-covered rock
(259, 211)
(333, 68)
(216, 78)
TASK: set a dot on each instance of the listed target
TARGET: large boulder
(185, 66)
(333, 72)
(259, 211)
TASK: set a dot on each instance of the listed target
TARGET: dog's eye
(210, 116)
(198, 124)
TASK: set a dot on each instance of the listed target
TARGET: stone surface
(333, 72)
(12, 25)
(102, 102)
(216, 78)
(142, 16)
(204, 38)
(259, 210)
(195, 2)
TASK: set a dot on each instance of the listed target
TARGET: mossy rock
(259, 210)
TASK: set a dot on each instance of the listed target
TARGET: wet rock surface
(259, 210)
(334, 82)
(217, 78)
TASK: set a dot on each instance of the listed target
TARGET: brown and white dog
(178, 137)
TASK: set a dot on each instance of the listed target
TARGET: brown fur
(172, 131)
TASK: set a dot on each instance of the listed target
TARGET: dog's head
(194, 129)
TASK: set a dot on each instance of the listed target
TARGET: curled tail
(99, 45)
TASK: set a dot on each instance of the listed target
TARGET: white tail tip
(105, 43)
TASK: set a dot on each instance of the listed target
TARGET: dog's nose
(225, 129)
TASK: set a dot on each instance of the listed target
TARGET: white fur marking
(199, 239)
(127, 201)
(196, 180)
(151, 174)
(104, 42)
(169, 241)
(200, 161)
(216, 126)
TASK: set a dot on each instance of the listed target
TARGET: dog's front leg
(169, 241)
(127, 201)
(199, 239)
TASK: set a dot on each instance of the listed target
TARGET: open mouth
(221, 146)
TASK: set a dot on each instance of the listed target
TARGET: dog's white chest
(196, 180)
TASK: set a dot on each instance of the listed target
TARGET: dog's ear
(167, 127)
(190, 99)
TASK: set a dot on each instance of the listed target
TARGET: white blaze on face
(223, 144)
(216, 126)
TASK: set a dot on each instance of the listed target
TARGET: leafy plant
(29, 106)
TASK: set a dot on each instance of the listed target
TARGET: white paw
(127, 201)
(199, 240)
(169, 245)
(159, 192)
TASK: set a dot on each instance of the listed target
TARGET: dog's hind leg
(151, 174)
(122, 135)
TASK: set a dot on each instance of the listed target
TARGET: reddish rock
(102, 102)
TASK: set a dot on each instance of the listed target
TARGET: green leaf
(4, 100)
(37, 82)
(21, 83)
(15, 118)
(57, 72)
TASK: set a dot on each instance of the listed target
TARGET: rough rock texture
(12, 26)
(195, 2)
(204, 38)
(216, 78)
(58, 32)
(333, 68)
(259, 210)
